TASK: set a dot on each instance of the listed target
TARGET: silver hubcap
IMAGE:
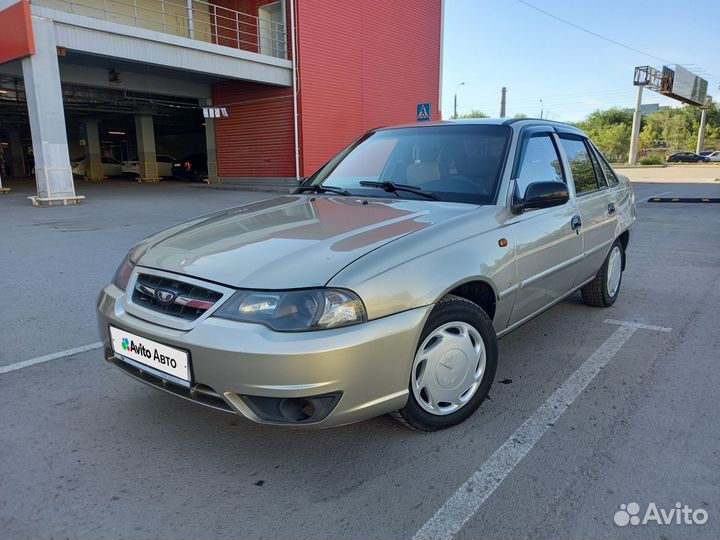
(614, 271)
(448, 368)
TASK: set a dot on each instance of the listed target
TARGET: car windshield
(457, 163)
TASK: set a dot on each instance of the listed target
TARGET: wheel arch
(479, 291)
(624, 238)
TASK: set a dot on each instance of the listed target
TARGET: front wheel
(603, 290)
(453, 368)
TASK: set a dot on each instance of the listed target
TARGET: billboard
(684, 86)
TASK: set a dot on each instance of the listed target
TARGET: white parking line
(466, 501)
(48, 357)
(641, 326)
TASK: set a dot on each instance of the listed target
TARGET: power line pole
(635, 134)
(455, 101)
(541, 109)
(502, 102)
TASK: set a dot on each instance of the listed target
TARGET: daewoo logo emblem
(165, 297)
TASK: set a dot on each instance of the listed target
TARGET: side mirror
(541, 195)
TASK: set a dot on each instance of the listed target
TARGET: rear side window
(585, 171)
(539, 162)
(610, 175)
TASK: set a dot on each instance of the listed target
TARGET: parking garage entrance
(130, 125)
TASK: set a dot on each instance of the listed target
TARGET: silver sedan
(382, 284)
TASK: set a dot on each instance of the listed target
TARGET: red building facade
(361, 64)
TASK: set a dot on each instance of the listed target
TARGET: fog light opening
(297, 409)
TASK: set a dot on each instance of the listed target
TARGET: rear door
(596, 203)
(548, 248)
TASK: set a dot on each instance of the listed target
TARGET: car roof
(516, 123)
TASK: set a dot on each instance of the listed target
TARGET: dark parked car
(686, 157)
(193, 167)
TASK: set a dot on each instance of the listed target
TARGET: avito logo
(138, 348)
(629, 514)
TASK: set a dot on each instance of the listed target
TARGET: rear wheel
(453, 368)
(603, 290)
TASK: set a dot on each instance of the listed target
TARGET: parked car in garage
(110, 166)
(686, 157)
(193, 167)
(382, 284)
(164, 166)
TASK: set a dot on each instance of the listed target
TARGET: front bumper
(366, 366)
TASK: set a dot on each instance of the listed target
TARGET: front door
(548, 242)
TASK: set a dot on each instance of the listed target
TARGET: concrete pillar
(145, 135)
(47, 119)
(211, 149)
(93, 156)
(635, 134)
(17, 157)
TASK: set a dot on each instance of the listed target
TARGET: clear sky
(489, 44)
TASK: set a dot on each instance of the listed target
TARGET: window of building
(271, 30)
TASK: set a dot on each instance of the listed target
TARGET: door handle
(575, 223)
(611, 209)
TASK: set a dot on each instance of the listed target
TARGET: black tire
(453, 308)
(596, 292)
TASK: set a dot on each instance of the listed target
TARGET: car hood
(292, 241)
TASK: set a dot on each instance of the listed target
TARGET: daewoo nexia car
(382, 284)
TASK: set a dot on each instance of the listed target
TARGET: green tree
(677, 129)
(667, 130)
(474, 114)
(610, 130)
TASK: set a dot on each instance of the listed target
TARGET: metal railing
(194, 19)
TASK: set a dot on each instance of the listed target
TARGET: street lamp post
(455, 101)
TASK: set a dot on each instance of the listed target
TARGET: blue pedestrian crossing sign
(423, 112)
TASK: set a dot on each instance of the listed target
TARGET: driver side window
(539, 162)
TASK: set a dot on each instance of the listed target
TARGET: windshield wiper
(392, 187)
(323, 189)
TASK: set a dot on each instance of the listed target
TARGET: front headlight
(295, 311)
(123, 273)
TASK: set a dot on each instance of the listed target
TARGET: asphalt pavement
(585, 415)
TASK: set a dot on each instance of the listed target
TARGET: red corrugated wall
(257, 139)
(363, 64)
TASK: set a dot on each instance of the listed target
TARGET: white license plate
(165, 362)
